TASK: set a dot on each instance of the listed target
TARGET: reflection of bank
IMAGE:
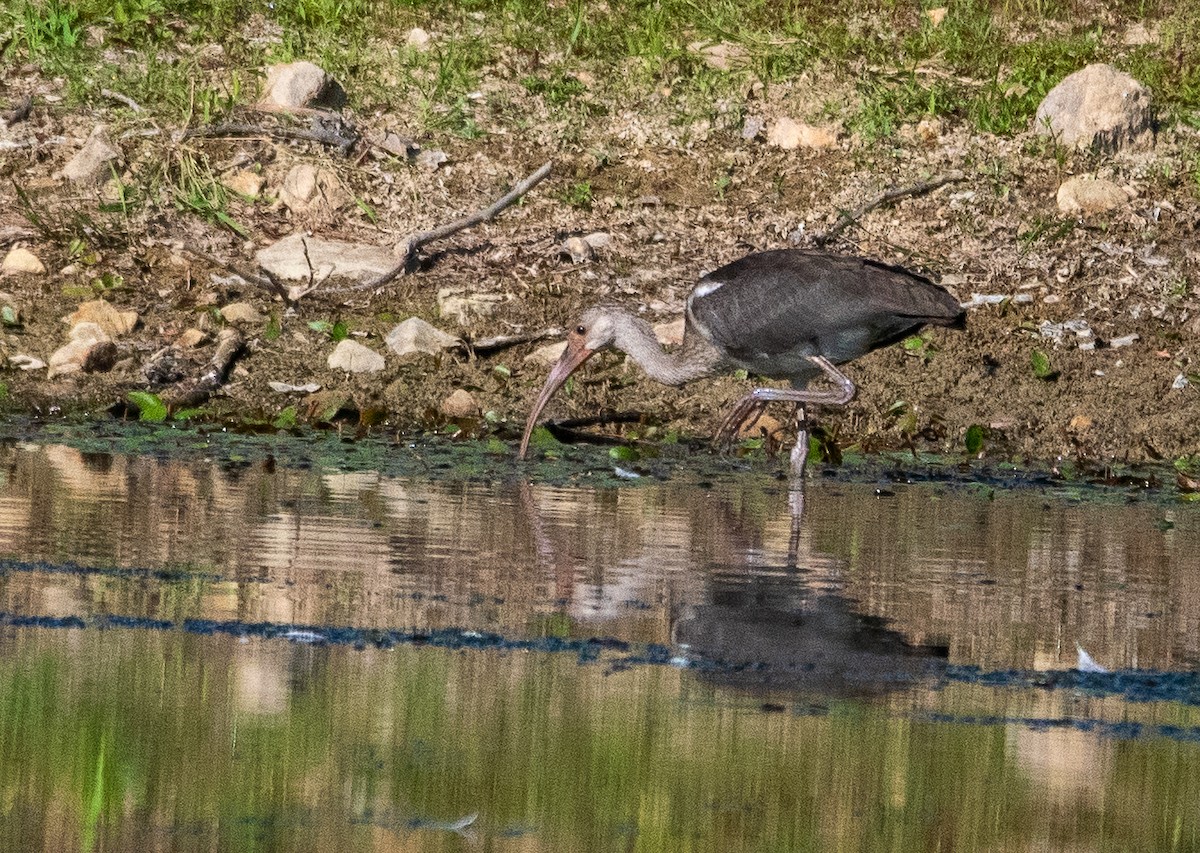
(771, 636)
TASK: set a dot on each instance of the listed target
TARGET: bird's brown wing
(807, 303)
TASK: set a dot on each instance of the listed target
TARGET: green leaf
(286, 419)
(8, 315)
(320, 325)
(623, 453)
(273, 330)
(187, 414)
(974, 438)
(1041, 364)
(151, 408)
(339, 332)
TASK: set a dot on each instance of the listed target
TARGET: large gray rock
(301, 84)
(414, 335)
(91, 163)
(353, 357)
(330, 259)
(1098, 107)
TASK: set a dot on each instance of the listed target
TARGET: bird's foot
(747, 410)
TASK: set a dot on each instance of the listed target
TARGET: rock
(91, 162)
(460, 404)
(301, 84)
(353, 357)
(430, 158)
(723, 55)
(465, 307)
(307, 189)
(577, 249)
(80, 351)
(670, 334)
(418, 39)
(788, 134)
(285, 259)
(26, 362)
(87, 331)
(1090, 196)
(414, 335)
(241, 314)
(598, 239)
(547, 355)
(21, 260)
(936, 16)
(752, 127)
(101, 357)
(1097, 107)
(190, 339)
(929, 130)
(114, 322)
(289, 388)
(245, 182)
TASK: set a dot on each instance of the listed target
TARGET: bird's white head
(595, 330)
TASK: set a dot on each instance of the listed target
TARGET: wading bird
(787, 314)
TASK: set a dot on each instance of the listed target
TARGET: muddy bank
(1083, 345)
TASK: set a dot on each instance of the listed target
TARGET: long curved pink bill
(574, 355)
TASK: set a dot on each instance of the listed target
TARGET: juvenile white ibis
(787, 314)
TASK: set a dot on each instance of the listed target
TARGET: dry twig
(124, 99)
(499, 342)
(848, 218)
(423, 238)
(185, 395)
(266, 281)
(411, 245)
(326, 128)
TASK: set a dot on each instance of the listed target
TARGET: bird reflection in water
(771, 636)
(784, 626)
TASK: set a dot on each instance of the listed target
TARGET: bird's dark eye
(581, 330)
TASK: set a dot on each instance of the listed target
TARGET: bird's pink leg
(759, 397)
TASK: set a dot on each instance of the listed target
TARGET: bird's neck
(695, 359)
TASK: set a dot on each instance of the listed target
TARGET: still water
(220, 654)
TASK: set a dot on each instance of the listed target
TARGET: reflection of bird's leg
(759, 397)
(796, 506)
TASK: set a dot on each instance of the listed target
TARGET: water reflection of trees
(1009, 581)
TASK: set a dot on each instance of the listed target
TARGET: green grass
(988, 63)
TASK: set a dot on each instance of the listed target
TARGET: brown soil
(677, 200)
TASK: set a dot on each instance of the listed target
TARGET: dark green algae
(440, 457)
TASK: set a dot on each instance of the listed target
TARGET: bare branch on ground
(190, 393)
(848, 218)
(423, 238)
